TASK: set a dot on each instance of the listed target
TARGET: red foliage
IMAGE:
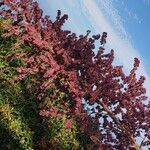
(120, 114)
(68, 123)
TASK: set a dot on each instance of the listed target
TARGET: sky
(126, 22)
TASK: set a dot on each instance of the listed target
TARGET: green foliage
(18, 110)
(21, 126)
(60, 137)
(11, 120)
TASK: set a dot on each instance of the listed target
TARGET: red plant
(61, 60)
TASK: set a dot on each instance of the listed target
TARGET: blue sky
(126, 21)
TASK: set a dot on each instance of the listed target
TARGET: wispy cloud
(133, 16)
(146, 2)
(111, 13)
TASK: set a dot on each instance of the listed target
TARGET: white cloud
(146, 2)
(133, 16)
(112, 14)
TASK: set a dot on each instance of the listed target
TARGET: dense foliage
(56, 93)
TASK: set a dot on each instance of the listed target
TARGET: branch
(142, 142)
(133, 146)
